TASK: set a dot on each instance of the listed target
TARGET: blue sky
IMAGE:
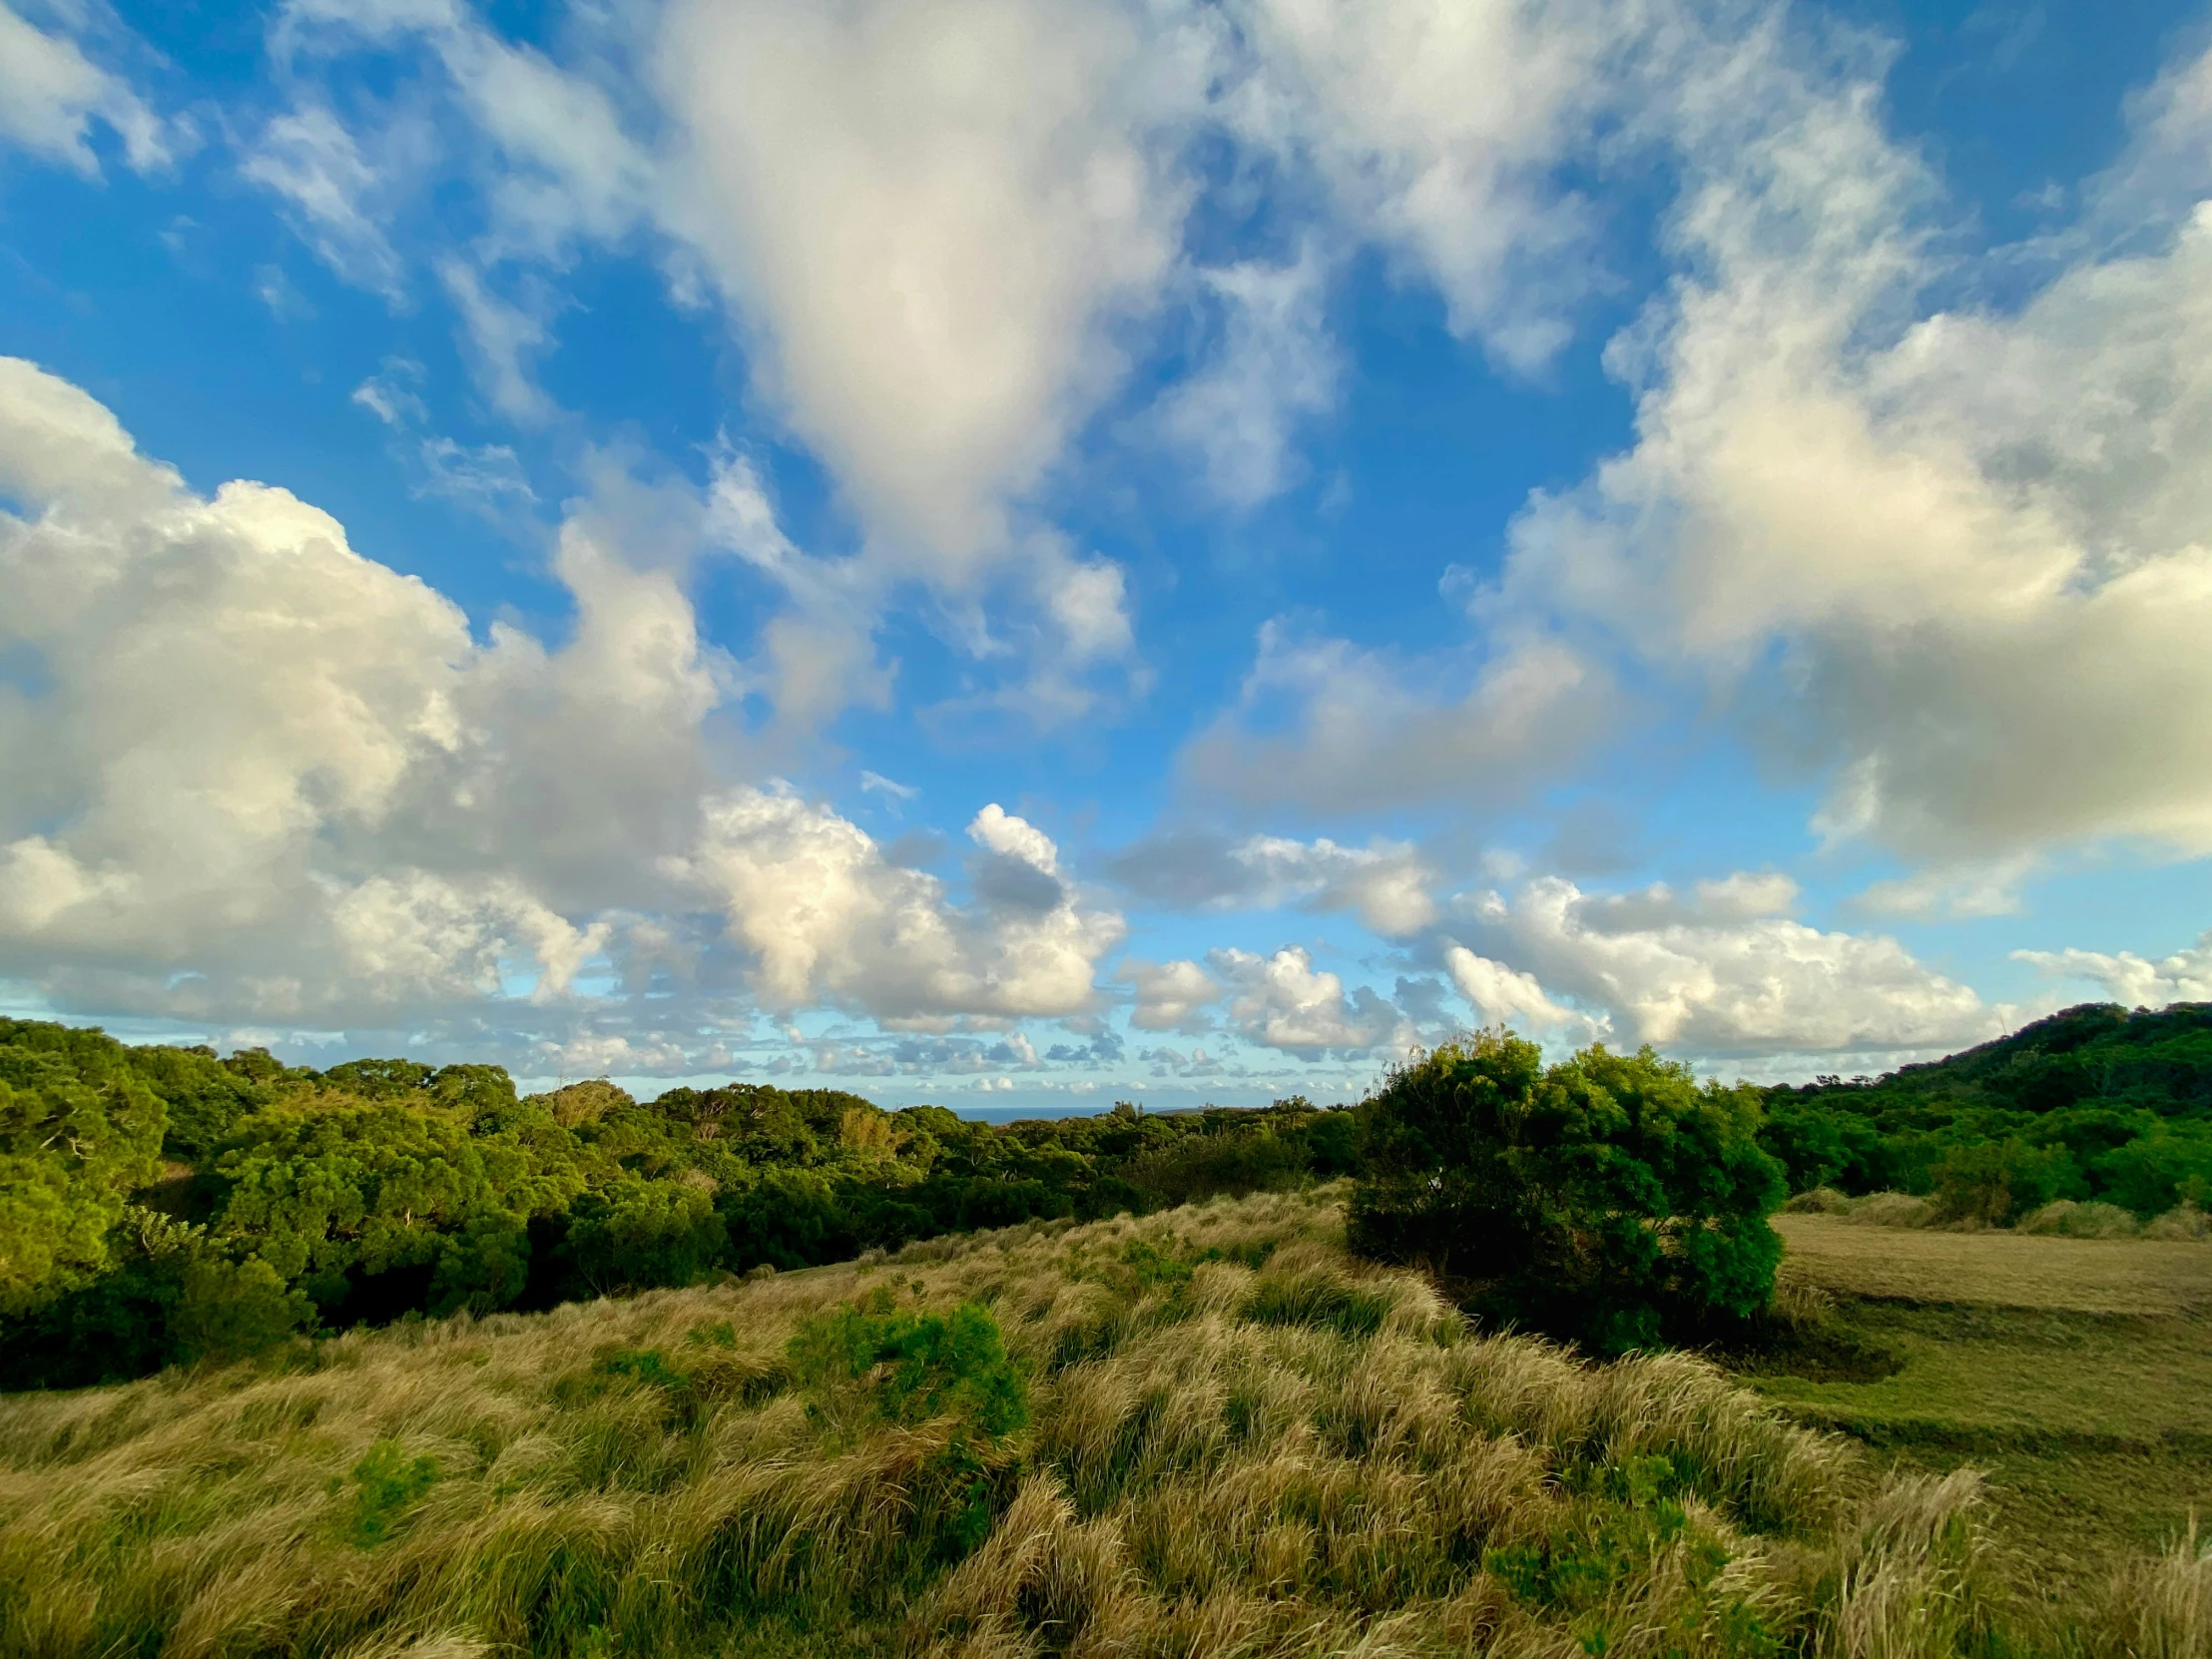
(1025, 554)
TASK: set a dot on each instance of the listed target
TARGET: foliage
(387, 1485)
(1609, 1198)
(1199, 1482)
(141, 1188)
(2094, 1103)
(911, 1365)
(303, 1201)
(79, 1130)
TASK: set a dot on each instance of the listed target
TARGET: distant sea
(1017, 1114)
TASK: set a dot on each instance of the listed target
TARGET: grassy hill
(1208, 1431)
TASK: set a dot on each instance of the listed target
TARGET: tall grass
(1238, 1442)
(2062, 1218)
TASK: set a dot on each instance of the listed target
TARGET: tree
(1609, 1199)
(79, 1130)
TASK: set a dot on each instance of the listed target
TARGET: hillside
(1206, 1433)
(2160, 1059)
(2097, 1103)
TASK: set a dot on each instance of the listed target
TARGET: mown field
(1206, 1433)
(2077, 1372)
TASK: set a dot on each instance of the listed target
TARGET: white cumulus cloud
(2135, 981)
(254, 775)
(1283, 1001)
(1719, 973)
(1957, 560)
(1171, 996)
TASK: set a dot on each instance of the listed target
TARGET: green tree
(79, 1131)
(637, 1234)
(1608, 1199)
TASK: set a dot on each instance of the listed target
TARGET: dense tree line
(161, 1204)
(2096, 1103)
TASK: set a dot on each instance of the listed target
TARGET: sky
(1027, 553)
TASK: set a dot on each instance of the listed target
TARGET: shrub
(1821, 1201)
(1998, 1181)
(1607, 1199)
(907, 1366)
(1892, 1210)
(1208, 1166)
(641, 1233)
(234, 1310)
(2068, 1219)
(2152, 1175)
(387, 1485)
(2183, 1222)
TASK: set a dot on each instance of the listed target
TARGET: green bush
(386, 1484)
(908, 1366)
(1609, 1199)
(641, 1233)
(234, 1310)
(1998, 1181)
(2155, 1173)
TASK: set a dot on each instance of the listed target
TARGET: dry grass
(2002, 1268)
(1299, 1457)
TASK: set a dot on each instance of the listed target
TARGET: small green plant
(646, 1364)
(387, 1485)
(1155, 1269)
(910, 1366)
(1634, 1526)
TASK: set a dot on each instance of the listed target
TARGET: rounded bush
(1610, 1199)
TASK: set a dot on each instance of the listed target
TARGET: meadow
(1206, 1431)
(2076, 1374)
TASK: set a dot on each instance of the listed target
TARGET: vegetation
(1206, 1433)
(163, 1206)
(2096, 1104)
(2078, 1374)
(1610, 1199)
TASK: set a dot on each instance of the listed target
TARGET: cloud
(1282, 1001)
(1324, 728)
(1437, 127)
(817, 657)
(1510, 997)
(830, 919)
(488, 477)
(876, 783)
(392, 395)
(1957, 562)
(51, 93)
(502, 339)
(2131, 980)
(259, 775)
(548, 145)
(932, 219)
(1956, 891)
(1171, 996)
(1387, 884)
(1718, 973)
(1276, 365)
(332, 190)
